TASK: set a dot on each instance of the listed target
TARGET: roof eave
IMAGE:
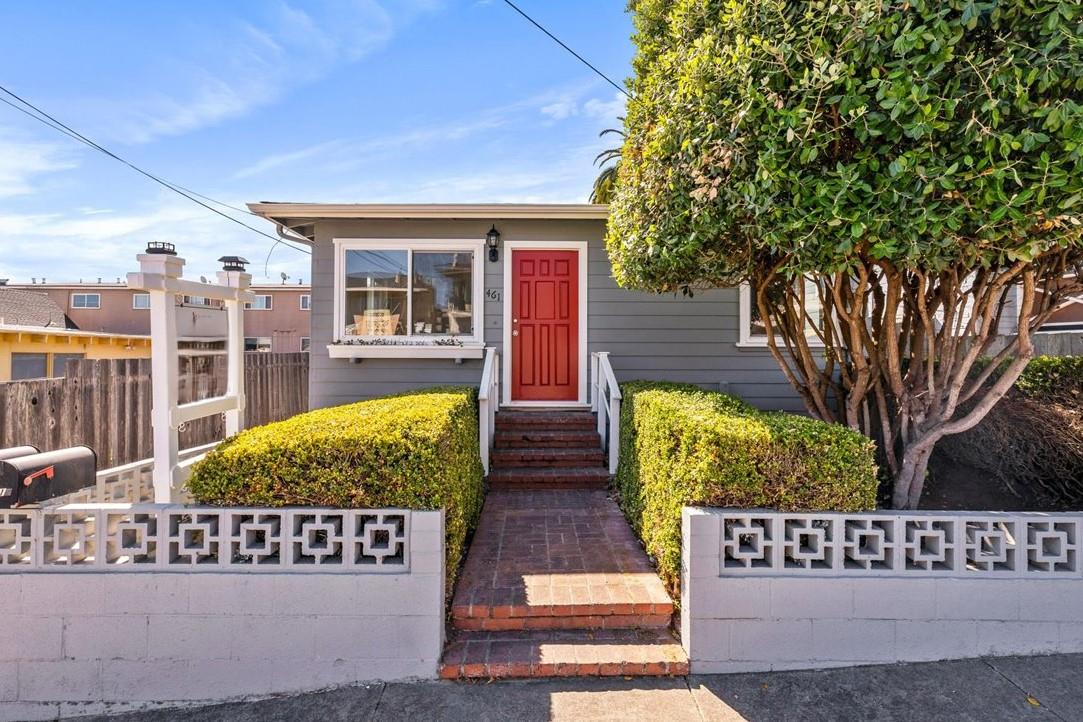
(445, 211)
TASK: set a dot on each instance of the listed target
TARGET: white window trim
(584, 351)
(472, 346)
(301, 302)
(95, 307)
(745, 338)
(270, 343)
(302, 348)
(270, 303)
(141, 295)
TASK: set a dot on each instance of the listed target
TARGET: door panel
(545, 326)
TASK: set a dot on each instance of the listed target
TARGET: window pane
(141, 300)
(60, 361)
(813, 309)
(306, 302)
(376, 293)
(28, 366)
(443, 293)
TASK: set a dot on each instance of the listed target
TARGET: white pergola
(160, 271)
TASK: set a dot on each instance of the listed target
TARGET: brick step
(549, 478)
(546, 457)
(605, 653)
(555, 420)
(547, 438)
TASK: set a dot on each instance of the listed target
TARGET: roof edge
(487, 211)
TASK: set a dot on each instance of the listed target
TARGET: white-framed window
(262, 303)
(753, 333)
(414, 290)
(306, 343)
(86, 300)
(257, 343)
(305, 302)
(200, 301)
(141, 301)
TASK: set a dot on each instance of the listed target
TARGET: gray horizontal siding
(655, 337)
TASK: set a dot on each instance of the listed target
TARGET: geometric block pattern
(130, 537)
(966, 544)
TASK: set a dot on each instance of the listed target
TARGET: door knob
(515, 332)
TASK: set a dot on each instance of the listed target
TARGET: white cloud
(561, 109)
(22, 160)
(606, 109)
(246, 65)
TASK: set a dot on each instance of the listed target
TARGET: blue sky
(329, 100)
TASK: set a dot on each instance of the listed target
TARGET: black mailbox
(37, 477)
(12, 451)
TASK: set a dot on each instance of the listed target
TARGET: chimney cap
(161, 248)
(233, 263)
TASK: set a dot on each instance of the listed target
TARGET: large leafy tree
(912, 168)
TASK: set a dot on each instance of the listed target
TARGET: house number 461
(493, 294)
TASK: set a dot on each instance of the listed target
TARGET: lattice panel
(938, 544)
(127, 537)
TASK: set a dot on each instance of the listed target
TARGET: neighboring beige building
(278, 321)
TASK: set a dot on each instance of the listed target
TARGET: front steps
(536, 450)
(556, 585)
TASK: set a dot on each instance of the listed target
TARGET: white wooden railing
(605, 399)
(488, 401)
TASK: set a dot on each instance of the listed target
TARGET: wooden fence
(105, 404)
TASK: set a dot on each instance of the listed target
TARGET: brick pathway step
(603, 653)
(555, 584)
(549, 478)
(547, 438)
(508, 420)
(547, 457)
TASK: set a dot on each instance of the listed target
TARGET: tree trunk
(910, 480)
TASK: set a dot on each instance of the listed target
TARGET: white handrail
(605, 401)
(488, 400)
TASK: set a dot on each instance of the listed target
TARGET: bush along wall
(414, 451)
(682, 446)
(1032, 440)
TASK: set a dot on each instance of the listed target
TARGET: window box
(408, 298)
(357, 350)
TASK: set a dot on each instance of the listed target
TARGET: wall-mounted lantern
(492, 240)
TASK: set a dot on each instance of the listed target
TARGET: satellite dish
(284, 276)
(203, 279)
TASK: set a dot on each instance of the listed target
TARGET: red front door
(544, 325)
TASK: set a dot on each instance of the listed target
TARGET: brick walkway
(555, 584)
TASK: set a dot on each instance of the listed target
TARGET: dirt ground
(954, 486)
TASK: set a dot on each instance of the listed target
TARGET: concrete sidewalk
(1006, 688)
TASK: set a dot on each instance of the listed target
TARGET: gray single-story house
(406, 296)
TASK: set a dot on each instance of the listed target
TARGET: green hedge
(416, 451)
(683, 446)
(1054, 378)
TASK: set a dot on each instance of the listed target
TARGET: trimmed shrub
(682, 446)
(1032, 440)
(414, 451)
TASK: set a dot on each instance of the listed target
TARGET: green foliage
(1053, 378)
(684, 446)
(415, 451)
(927, 133)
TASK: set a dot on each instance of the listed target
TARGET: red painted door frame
(545, 325)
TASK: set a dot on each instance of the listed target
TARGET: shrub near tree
(886, 177)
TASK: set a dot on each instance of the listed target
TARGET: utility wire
(559, 42)
(42, 117)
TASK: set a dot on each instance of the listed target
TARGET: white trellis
(160, 271)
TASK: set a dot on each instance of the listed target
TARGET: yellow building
(28, 352)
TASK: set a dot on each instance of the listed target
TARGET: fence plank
(106, 403)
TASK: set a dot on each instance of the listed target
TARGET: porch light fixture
(161, 248)
(233, 263)
(492, 240)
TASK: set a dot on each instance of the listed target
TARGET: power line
(559, 42)
(48, 120)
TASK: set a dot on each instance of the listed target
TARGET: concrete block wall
(87, 642)
(759, 619)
